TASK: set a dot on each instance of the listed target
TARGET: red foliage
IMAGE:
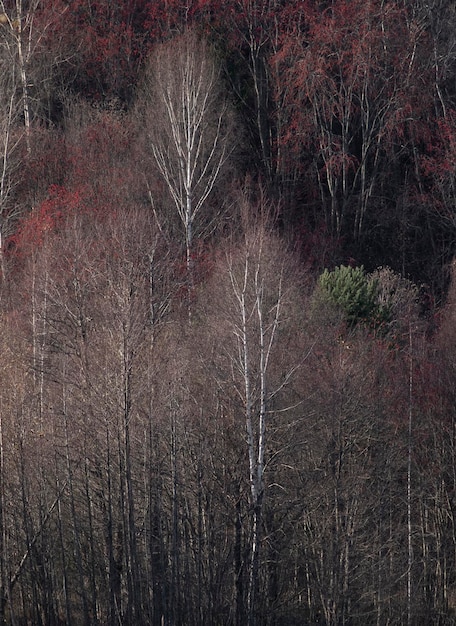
(44, 219)
(343, 60)
(106, 40)
(438, 167)
(349, 85)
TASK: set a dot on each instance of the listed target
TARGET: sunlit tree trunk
(257, 316)
(22, 58)
(189, 126)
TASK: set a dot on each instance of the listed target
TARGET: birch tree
(28, 69)
(10, 139)
(255, 417)
(257, 359)
(189, 127)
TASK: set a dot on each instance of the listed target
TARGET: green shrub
(355, 293)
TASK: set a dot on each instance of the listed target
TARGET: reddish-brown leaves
(44, 219)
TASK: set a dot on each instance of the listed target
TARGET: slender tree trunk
(409, 484)
(91, 539)
(175, 532)
(23, 73)
(3, 568)
(134, 593)
(75, 522)
(254, 471)
(239, 563)
(64, 562)
(114, 560)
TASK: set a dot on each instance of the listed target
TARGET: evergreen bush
(355, 293)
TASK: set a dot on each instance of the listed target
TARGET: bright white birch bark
(189, 132)
(255, 327)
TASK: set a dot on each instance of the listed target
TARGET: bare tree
(189, 125)
(27, 69)
(256, 362)
(10, 140)
(25, 31)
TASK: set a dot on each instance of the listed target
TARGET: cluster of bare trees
(252, 463)
(189, 435)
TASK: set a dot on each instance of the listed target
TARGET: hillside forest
(227, 312)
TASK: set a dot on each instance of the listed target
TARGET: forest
(227, 312)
